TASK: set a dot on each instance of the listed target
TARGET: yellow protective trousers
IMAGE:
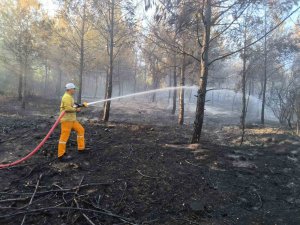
(66, 128)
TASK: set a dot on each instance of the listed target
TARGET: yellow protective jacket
(67, 103)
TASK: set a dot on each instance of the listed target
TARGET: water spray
(143, 93)
(2, 166)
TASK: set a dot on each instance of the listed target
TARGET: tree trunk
(181, 95)
(111, 52)
(190, 96)
(97, 85)
(58, 83)
(120, 89)
(265, 73)
(155, 80)
(106, 85)
(81, 54)
(119, 80)
(170, 85)
(145, 78)
(203, 75)
(175, 85)
(244, 101)
(135, 75)
(46, 79)
(155, 85)
(24, 92)
(20, 88)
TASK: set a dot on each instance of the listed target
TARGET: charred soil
(141, 173)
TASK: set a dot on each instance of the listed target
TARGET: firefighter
(69, 121)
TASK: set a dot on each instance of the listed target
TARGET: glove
(76, 105)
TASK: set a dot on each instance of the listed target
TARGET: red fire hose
(2, 166)
(85, 104)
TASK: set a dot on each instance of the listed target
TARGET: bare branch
(259, 39)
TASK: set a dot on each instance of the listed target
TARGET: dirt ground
(140, 169)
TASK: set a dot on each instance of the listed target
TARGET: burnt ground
(140, 169)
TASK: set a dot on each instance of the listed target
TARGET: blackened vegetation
(134, 174)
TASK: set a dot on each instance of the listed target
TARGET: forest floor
(140, 169)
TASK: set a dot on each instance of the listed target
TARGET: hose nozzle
(77, 105)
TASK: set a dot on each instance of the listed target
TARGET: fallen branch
(186, 220)
(107, 213)
(123, 194)
(63, 196)
(14, 199)
(84, 215)
(77, 189)
(69, 200)
(57, 190)
(146, 175)
(91, 203)
(150, 221)
(36, 187)
(197, 165)
(260, 201)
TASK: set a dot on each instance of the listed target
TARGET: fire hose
(85, 104)
(2, 166)
(76, 105)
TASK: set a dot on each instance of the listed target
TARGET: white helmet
(70, 86)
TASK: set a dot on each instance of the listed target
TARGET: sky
(49, 5)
